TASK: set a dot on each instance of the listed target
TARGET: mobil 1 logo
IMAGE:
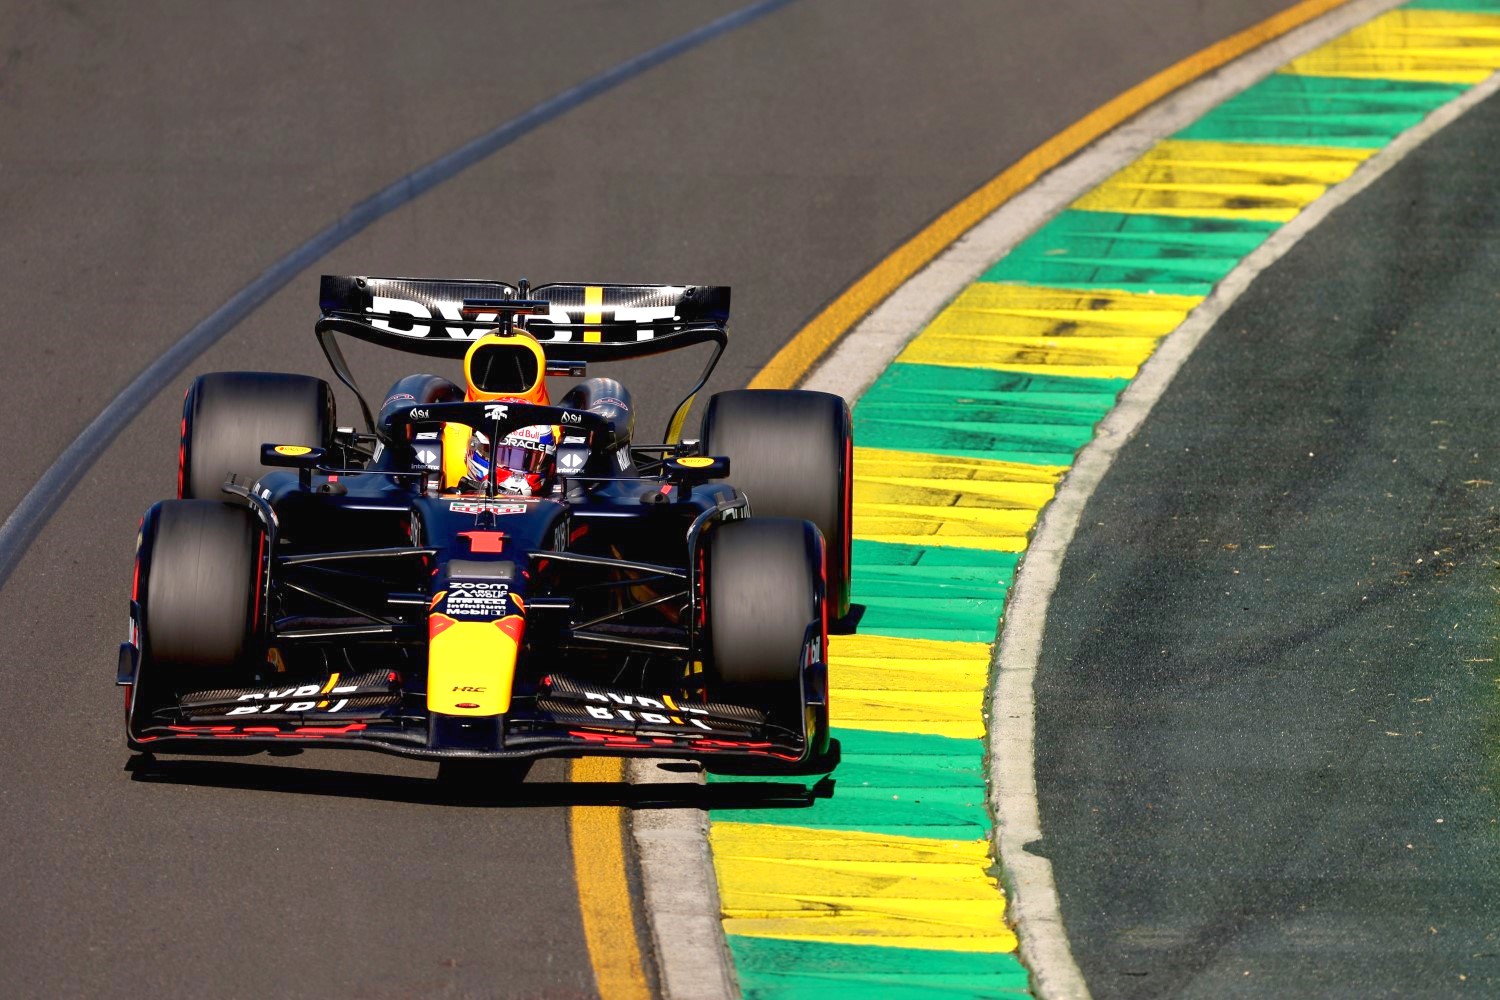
(476, 599)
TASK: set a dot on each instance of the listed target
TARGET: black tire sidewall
(763, 592)
(201, 569)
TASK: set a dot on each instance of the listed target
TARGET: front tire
(791, 451)
(200, 593)
(764, 599)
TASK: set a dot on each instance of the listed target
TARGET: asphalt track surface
(1267, 716)
(156, 157)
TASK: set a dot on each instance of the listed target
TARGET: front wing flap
(563, 717)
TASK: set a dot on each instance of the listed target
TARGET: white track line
(682, 903)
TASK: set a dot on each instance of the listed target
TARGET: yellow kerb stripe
(1225, 180)
(1434, 46)
(846, 887)
(879, 463)
(948, 500)
(908, 685)
(997, 325)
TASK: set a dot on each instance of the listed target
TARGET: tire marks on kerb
(37, 506)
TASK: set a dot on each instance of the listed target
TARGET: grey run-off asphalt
(1266, 704)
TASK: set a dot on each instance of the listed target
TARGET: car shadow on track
(255, 776)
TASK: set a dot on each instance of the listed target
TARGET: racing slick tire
(227, 416)
(199, 593)
(763, 598)
(791, 451)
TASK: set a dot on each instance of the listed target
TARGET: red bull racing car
(480, 576)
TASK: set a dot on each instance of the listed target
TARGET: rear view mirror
(291, 456)
(303, 458)
(695, 468)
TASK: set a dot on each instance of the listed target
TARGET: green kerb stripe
(809, 970)
(913, 592)
(1322, 111)
(1036, 419)
(1464, 6)
(907, 784)
(1165, 255)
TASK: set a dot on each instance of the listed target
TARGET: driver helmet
(526, 459)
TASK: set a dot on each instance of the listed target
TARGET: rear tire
(791, 452)
(227, 416)
(201, 568)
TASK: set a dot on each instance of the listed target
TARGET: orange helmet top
(506, 366)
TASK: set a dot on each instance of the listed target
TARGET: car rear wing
(574, 323)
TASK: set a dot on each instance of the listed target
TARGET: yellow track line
(598, 831)
(795, 359)
(598, 836)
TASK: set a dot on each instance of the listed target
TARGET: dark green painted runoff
(1268, 663)
(811, 970)
(1145, 254)
(1322, 111)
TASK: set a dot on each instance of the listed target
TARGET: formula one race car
(481, 576)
